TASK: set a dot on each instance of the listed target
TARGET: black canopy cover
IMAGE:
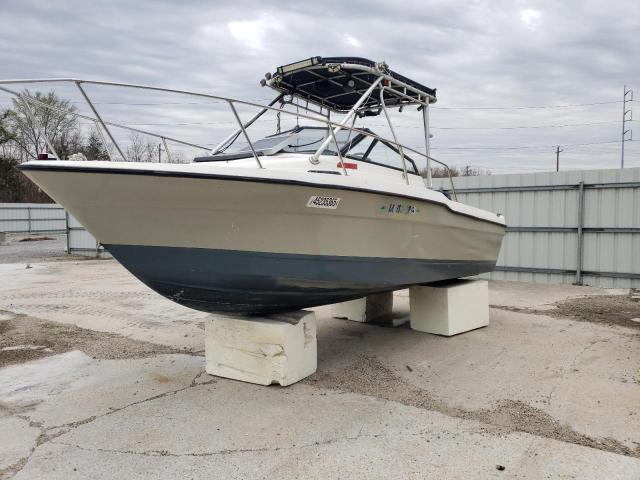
(332, 83)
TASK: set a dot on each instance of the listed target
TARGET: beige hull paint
(264, 217)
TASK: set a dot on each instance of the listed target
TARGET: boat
(321, 213)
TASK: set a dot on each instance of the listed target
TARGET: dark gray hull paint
(232, 281)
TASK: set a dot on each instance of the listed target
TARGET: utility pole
(627, 116)
(558, 150)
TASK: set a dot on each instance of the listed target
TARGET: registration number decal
(318, 201)
(400, 208)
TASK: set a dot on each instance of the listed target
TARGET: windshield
(259, 145)
(379, 152)
(304, 140)
(308, 139)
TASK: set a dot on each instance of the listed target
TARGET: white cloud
(353, 41)
(531, 17)
(252, 33)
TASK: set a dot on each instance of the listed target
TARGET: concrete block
(264, 350)
(449, 308)
(373, 308)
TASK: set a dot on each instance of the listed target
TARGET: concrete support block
(264, 350)
(449, 308)
(373, 308)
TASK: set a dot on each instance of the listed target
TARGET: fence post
(29, 219)
(66, 220)
(579, 259)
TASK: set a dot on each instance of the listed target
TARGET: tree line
(24, 128)
(466, 171)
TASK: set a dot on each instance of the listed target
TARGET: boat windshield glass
(260, 145)
(308, 140)
(300, 140)
(353, 145)
(374, 151)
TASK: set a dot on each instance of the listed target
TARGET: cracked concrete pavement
(543, 396)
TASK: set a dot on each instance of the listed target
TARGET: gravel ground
(20, 251)
(622, 310)
(371, 378)
(24, 338)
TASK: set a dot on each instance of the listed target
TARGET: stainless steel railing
(98, 120)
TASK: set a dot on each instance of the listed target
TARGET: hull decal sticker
(317, 201)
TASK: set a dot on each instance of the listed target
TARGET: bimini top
(337, 83)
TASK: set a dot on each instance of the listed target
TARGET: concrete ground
(21, 247)
(102, 378)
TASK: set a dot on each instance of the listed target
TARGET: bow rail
(103, 125)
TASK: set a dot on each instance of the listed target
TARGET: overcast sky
(477, 54)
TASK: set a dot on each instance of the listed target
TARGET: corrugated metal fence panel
(80, 241)
(48, 218)
(532, 202)
(605, 206)
(612, 208)
(31, 218)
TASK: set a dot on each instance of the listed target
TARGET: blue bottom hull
(242, 282)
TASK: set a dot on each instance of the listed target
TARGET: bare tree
(5, 134)
(139, 149)
(8, 149)
(52, 117)
(14, 187)
(441, 172)
(178, 157)
(467, 171)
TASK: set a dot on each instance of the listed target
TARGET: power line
(569, 105)
(528, 126)
(180, 124)
(515, 107)
(523, 147)
(518, 127)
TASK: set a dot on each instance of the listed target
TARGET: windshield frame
(361, 137)
(281, 147)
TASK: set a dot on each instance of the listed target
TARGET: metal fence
(80, 241)
(569, 227)
(578, 227)
(48, 218)
(32, 218)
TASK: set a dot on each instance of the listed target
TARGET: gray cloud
(479, 53)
